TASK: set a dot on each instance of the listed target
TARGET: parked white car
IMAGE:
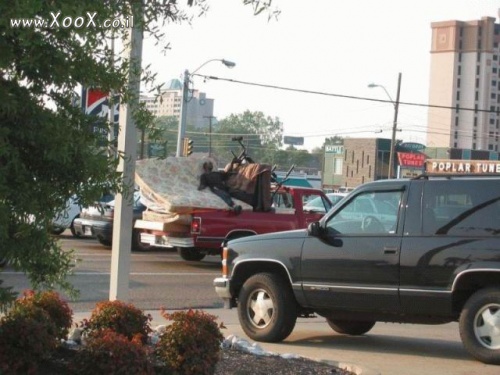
(65, 219)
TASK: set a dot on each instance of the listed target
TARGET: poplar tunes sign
(447, 166)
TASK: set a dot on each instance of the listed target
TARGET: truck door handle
(390, 250)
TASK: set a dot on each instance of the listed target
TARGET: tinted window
(462, 207)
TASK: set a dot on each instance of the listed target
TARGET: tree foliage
(47, 151)
(262, 136)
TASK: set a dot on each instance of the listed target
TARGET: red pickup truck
(204, 232)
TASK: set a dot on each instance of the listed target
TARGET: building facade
(355, 161)
(168, 103)
(464, 90)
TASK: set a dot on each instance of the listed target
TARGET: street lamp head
(372, 85)
(228, 63)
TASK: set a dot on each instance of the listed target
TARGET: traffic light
(188, 146)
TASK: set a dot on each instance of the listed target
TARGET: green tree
(262, 136)
(47, 149)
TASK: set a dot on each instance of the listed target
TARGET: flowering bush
(58, 309)
(27, 336)
(120, 317)
(109, 352)
(191, 344)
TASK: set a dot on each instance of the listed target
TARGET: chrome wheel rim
(260, 310)
(487, 326)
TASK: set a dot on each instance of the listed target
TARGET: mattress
(171, 186)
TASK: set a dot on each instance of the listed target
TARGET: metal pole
(127, 146)
(394, 129)
(182, 120)
(209, 134)
(111, 104)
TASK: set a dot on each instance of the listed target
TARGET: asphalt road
(161, 278)
(158, 278)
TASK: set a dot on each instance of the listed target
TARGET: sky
(334, 48)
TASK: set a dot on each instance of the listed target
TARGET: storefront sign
(338, 150)
(462, 166)
(409, 159)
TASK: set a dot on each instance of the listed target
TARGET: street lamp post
(184, 102)
(394, 124)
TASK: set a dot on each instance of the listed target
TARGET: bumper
(166, 241)
(223, 290)
(92, 228)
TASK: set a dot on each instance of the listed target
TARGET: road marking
(131, 274)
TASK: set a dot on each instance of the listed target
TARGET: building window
(459, 69)
(370, 171)
(458, 83)
(456, 108)
(460, 57)
(493, 95)
(478, 56)
(456, 121)
(458, 95)
(478, 70)
(367, 159)
(362, 159)
(477, 83)
(456, 135)
(475, 120)
(474, 146)
(455, 145)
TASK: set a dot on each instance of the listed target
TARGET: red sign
(410, 159)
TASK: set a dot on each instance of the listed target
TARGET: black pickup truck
(423, 251)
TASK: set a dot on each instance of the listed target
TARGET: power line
(340, 95)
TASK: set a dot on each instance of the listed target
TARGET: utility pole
(127, 148)
(394, 129)
(182, 120)
(210, 118)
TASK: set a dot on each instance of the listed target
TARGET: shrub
(27, 336)
(120, 317)
(58, 309)
(109, 352)
(191, 344)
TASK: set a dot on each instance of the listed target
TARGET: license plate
(160, 240)
(88, 231)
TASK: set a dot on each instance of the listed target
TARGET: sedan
(97, 221)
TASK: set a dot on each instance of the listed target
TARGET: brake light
(196, 225)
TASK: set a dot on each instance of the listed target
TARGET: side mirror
(313, 229)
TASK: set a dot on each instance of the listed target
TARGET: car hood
(298, 234)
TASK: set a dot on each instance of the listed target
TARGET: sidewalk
(299, 343)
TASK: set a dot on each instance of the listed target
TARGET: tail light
(196, 225)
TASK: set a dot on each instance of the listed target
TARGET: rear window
(462, 207)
